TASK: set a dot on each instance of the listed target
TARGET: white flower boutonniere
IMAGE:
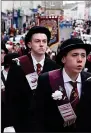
(57, 95)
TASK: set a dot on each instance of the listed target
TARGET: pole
(13, 13)
(45, 7)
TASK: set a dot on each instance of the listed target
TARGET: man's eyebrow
(40, 39)
(78, 53)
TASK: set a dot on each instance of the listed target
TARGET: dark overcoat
(47, 113)
(20, 99)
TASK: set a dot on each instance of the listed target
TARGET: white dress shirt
(35, 62)
(5, 73)
(68, 86)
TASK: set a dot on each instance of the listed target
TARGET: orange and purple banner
(51, 22)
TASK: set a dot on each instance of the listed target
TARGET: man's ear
(29, 44)
(63, 60)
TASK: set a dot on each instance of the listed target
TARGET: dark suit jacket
(47, 113)
(20, 99)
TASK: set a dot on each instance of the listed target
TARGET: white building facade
(18, 12)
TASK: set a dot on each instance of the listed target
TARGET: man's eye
(83, 55)
(37, 41)
(74, 55)
(44, 41)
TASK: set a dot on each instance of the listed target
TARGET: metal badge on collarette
(60, 88)
(17, 61)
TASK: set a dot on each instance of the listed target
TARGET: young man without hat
(21, 84)
(64, 96)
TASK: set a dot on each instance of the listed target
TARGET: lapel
(81, 101)
(84, 76)
(45, 67)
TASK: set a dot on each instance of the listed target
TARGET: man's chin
(78, 70)
(41, 53)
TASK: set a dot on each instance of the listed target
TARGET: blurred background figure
(12, 31)
(4, 73)
(24, 27)
(88, 30)
(48, 51)
(4, 51)
(88, 63)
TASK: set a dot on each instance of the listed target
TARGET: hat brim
(70, 47)
(37, 29)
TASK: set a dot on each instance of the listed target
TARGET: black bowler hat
(74, 43)
(70, 44)
(37, 29)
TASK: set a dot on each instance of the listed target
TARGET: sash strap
(26, 64)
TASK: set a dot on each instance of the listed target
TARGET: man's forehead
(39, 36)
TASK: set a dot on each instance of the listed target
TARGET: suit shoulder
(43, 75)
(87, 73)
(87, 76)
(51, 62)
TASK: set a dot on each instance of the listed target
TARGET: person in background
(21, 92)
(64, 96)
(7, 62)
(88, 30)
(4, 51)
(24, 27)
(12, 31)
(88, 63)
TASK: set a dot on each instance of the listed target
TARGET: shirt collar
(5, 72)
(35, 62)
(67, 78)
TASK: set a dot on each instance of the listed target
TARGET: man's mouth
(79, 66)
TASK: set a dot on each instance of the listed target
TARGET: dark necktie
(38, 68)
(74, 97)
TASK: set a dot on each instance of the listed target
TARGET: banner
(51, 22)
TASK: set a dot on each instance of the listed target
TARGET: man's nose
(41, 43)
(79, 58)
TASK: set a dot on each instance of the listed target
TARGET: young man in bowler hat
(64, 96)
(21, 84)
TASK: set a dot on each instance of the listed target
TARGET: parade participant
(22, 81)
(61, 105)
(12, 31)
(7, 62)
(88, 63)
(4, 51)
